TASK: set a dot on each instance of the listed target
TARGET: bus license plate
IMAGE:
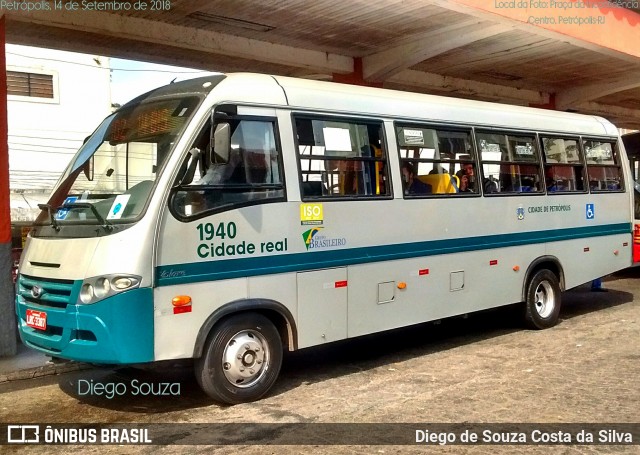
(37, 319)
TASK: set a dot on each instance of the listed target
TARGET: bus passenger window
(442, 159)
(339, 158)
(510, 163)
(602, 165)
(563, 165)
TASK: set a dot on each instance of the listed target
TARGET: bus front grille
(45, 292)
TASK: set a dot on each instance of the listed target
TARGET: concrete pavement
(29, 363)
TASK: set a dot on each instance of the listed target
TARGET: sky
(131, 78)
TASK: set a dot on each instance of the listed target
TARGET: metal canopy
(463, 48)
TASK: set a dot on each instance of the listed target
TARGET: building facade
(55, 99)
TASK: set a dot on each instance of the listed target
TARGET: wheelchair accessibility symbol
(591, 211)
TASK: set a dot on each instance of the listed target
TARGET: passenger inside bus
(489, 186)
(413, 185)
(466, 175)
(554, 184)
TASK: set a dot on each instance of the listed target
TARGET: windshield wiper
(106, 224)
(52, 218)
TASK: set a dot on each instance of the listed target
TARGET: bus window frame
(538, 153)
(176, 188)
(582, 162)
(615, 141)
(312, 115)
(402, 123)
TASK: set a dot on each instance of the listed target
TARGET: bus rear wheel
(543, 300)
(241, 360)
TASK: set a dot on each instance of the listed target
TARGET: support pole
(8, 342)
(355, 78)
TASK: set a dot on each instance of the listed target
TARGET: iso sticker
(311, 214)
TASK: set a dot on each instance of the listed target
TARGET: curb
(50, 369)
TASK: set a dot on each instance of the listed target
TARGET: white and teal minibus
(227, 218)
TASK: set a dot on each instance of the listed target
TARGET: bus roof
(358, 100)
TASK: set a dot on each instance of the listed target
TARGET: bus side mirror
(222, 141)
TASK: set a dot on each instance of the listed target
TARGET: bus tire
(241, 359)
(543, 300)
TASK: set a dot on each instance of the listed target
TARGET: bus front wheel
(542, 305)
(241, 359)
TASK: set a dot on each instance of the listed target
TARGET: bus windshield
(112, 175)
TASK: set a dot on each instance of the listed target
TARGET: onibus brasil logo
(308, 236)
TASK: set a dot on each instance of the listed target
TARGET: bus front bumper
(116, 330)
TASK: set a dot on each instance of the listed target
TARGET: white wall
(45, 133)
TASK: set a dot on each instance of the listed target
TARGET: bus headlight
(86, 293)
(122, 283)
(100, 287)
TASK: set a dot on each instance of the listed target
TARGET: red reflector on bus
(182, 309)
(586, 250)
(423, 272)
(493, 262)
(341, 284)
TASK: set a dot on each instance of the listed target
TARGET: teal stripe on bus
(295, 262)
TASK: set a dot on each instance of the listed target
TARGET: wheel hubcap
(544, 299)
(245, 359)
